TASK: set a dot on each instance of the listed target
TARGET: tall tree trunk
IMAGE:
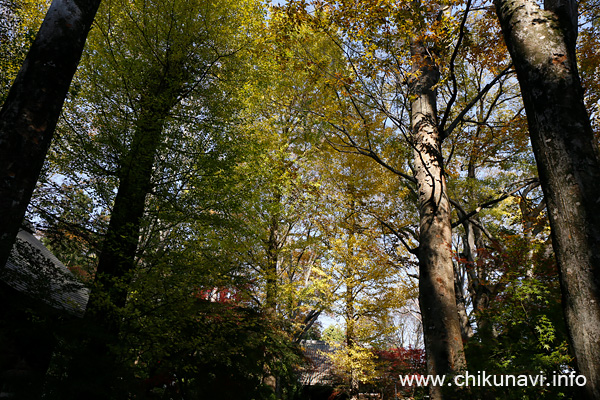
(477, 272)
(31, 110)
(95, 379)
(350, 331)
(272, 286)
(272, 245)
(481, 291)
(542, 46)
(441, 326)
(466, 329)
(479, 288)
(117, 258)
(350, 273)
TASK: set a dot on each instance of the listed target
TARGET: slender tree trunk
(349, 297)
(542, 46)
(350, 334)
(31, 110)
(461, 303)
(94, 367)
(272, 252)
(117, 258)
(271, 287)
(472, 245)
(478, 287)
(437, 300)
(272, 246)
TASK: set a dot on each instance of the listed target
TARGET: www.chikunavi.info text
(481, 378)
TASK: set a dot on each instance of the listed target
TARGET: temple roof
(319, 371)
(33, 270)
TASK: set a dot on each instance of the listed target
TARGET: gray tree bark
(437, 300)
(542, 46)
(31, 110)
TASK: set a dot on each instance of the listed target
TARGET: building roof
(33, 270)
(319, 370)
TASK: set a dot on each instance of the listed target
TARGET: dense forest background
(225, 174)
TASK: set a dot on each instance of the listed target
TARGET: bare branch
(461, 35)
(488, 204)
(446, 132)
